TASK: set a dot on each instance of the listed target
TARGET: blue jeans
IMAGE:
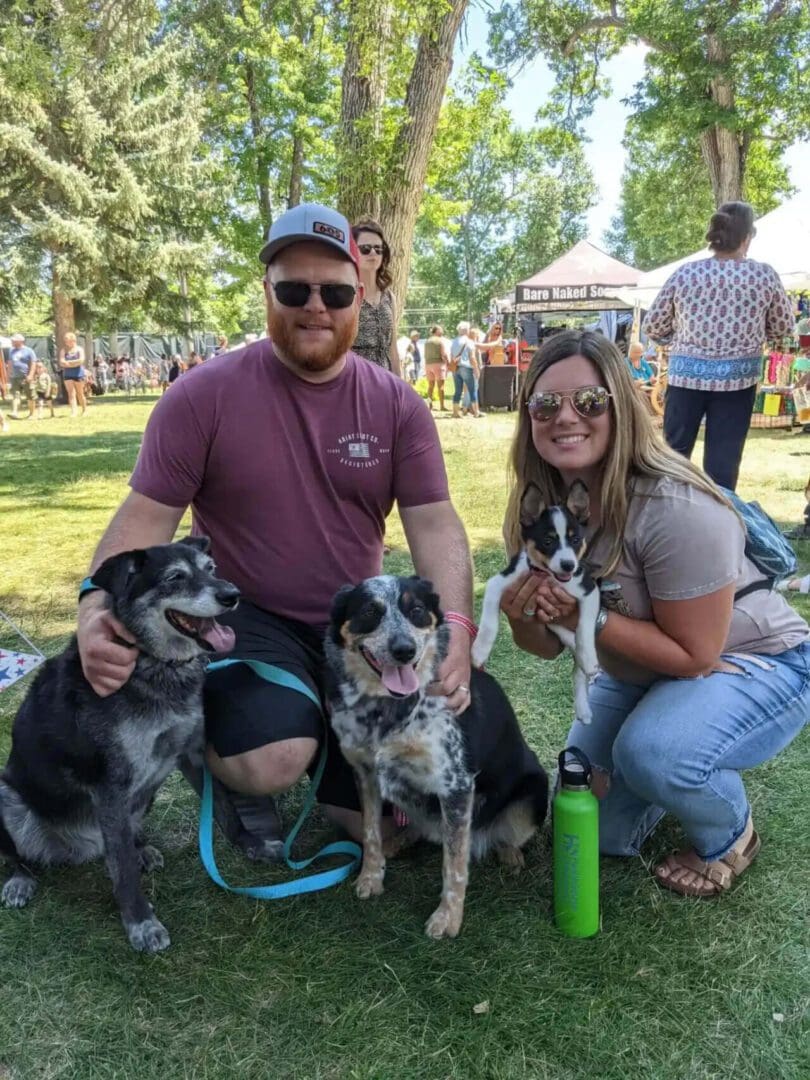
(677, 747)
(464, 376)
(728, 417)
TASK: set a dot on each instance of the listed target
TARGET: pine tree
(99, 171)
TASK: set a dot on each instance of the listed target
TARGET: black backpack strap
(754, 586)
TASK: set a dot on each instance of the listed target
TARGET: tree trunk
(64, 319)
(722, 147)
(405, 177)
(364, 84)
(296, 171)
(259, 154)
(89, 351)
(189, 343)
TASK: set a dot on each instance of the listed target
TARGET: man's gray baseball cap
(310, 221)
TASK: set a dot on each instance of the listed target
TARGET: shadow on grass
(42, 467)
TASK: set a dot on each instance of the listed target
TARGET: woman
(464, 364)
(436, 360)
(492, 346)
(716, 314)
(376, 331)
(71, 364)
(696, 683)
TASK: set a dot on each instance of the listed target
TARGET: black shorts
(243, 711)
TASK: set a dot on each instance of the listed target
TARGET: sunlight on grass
(327, 987)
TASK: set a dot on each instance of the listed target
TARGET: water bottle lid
(574, 775)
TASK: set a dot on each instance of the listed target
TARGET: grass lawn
(328, 987)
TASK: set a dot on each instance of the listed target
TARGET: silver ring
(530, 612)
(462, 686)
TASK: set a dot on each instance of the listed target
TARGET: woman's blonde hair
(69, 335)
(635, 447)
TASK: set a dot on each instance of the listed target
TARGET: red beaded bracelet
(462, 620)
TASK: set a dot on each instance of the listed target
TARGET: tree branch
(614, 21)
(776, 11)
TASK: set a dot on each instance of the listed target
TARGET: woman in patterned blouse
(376, 332)
(716, 314)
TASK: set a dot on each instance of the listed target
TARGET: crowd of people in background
(29, 384)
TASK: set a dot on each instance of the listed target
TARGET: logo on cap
(329, 230)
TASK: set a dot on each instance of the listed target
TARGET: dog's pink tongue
(400, 680)
(220, 638)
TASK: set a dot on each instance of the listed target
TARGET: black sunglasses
(366, 249)
(297, 293)
(588, 401)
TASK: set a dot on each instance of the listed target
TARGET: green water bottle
(576, 847)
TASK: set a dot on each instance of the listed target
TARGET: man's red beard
(316, 357)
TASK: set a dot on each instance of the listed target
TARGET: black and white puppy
(470, 783)
(83, 769)
(553, 543)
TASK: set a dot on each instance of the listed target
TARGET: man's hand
(454, 674)
(538, 598)
(105, 662)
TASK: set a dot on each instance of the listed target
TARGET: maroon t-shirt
(292, 480)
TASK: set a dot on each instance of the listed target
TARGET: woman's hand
(539, 598)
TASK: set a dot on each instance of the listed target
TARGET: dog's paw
(512, 858)
(444, 922)
(399, 841)
(149, 858)
(149, 936)
(369, 885)
(479, 654)
(18, 890)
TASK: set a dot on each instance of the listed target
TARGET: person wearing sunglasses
(291, 452)
(702, 676)
(376, 331)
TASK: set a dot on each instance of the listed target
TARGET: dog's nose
(402, 649)
(567, 565)
(227, 595)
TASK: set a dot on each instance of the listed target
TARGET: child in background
(43, 389)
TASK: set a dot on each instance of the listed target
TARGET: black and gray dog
(469, 783)
(83, 769)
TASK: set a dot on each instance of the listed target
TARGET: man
(415, 354)
(21, 361)
(291, 453)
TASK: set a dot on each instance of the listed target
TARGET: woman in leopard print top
(376, 331)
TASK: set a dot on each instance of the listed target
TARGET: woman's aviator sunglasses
(297, 293)
(588, 401)
(366, 249)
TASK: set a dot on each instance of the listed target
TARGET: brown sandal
(704, 879)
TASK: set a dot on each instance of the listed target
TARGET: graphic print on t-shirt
(359, 450)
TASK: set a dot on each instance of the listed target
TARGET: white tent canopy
(782, 240)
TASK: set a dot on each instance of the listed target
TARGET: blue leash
(313, 882)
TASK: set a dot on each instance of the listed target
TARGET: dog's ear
(337, 615)
(423, 588)
(202, 543)
(114, 573)
(531, 504)
(578, 502)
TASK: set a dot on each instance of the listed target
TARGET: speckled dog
(84, 769)
(470, 783)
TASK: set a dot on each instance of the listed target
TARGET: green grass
(328, 987)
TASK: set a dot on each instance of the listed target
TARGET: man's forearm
(139, 522)
(441, 553)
